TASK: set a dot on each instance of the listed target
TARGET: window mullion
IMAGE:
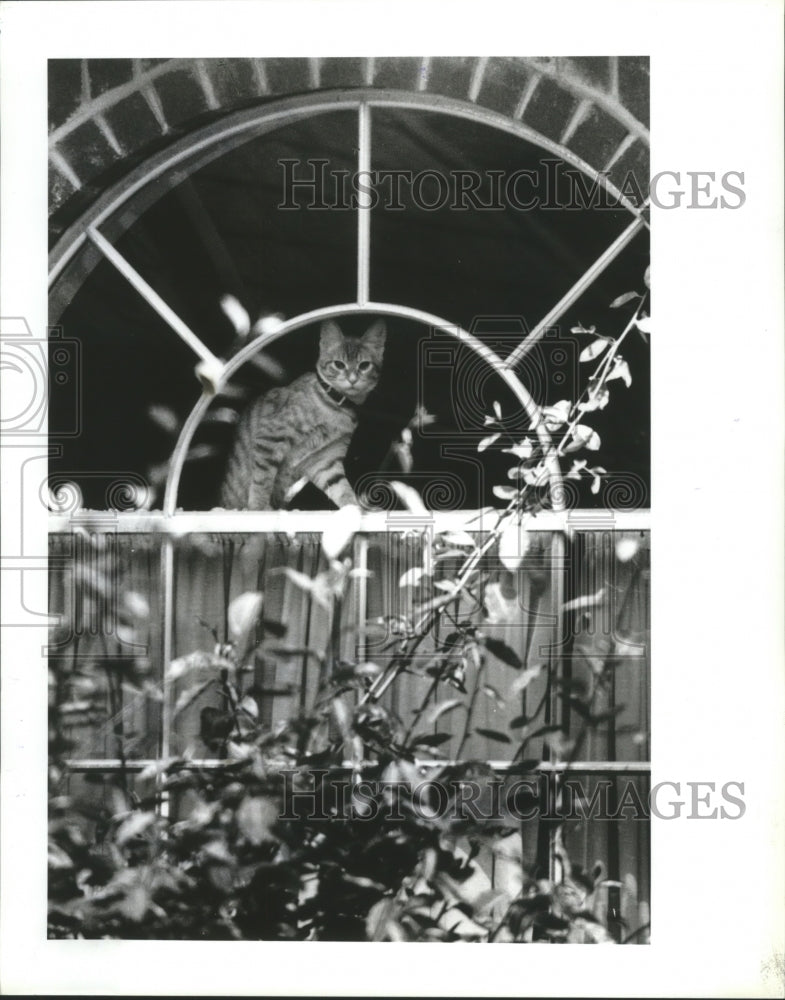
(581, 285)
(363, 205)
(167, 586)
(152, 298)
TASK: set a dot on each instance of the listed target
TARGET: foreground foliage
(327, 825)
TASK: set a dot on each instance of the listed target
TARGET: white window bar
(590, 767)
(236, 127)
(361, 564)
(585, 281)
(152, 298)
(167, 641)
(363, 206)
(173, 521)
(478, 74)
(363, 268)
(309, 522)
(428, 320)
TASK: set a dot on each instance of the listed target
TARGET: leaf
(221, 415)
(513, 544)
(299, 579)
(236, 314)
(411, 577)
(243, 614)
(647, 277)
(339, 530)
(583, 437)
(154, 768)
(582, 329)
(442, 708)
(625, 647)
(403, 453)
(165, 418)
(644, 324)
(523, 680)
(578, 465)
(217, 850)
(556, 415)
(410, 498)
(136, 604)
(522, 450)
(189, 696)
(559, 743)
(343, 717)
(599, 398)
(503, 652)
(135, 903)
(594, 349)
(458, 538)
(588, 601)
(490, 692)
(134, 825)
(624, 299)
(493, 734)
(430, 739)
(274, 628)
(250, 706)
(505, 492)
(626, 549)
(57, 859)
(269, 324)
(497, 409)
(378, 919)
(366, 670)
(620, 370)
(486, 899)
(538, 476)
(256, 817)
(498, 609)
(488, 441)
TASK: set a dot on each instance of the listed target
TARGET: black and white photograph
(337, 442)
(350, 548)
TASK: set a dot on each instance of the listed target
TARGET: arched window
(484, 240)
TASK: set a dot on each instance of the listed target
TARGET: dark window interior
(494, 272)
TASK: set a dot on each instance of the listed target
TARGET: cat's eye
(339, 365)
(364, 366)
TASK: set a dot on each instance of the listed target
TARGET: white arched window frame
(92, 239)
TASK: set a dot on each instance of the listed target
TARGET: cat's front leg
(334, 483)
(341, 493)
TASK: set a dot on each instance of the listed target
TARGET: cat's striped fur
(303, 430)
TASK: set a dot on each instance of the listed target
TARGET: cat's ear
(374, 337)
(331, 337)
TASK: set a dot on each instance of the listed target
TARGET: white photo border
(717, 494)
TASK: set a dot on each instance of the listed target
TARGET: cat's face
(352, 365)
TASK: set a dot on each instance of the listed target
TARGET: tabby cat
(302, 431)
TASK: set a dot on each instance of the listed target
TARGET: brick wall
(106, 115)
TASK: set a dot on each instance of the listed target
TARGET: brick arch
(107, 115)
